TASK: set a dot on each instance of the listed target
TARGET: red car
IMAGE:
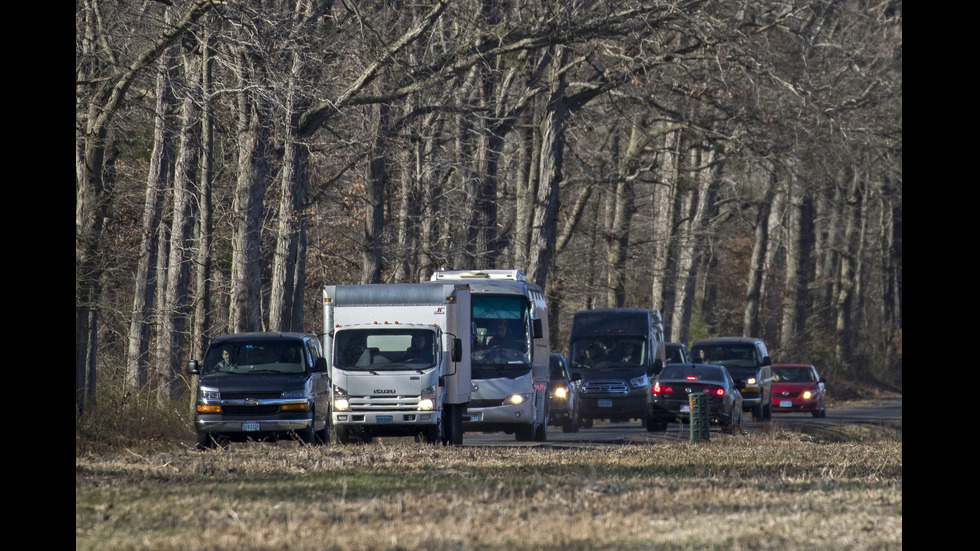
(798, 388)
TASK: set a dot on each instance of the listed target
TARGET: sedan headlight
(640, 382)
(340, 400)
(807, 394)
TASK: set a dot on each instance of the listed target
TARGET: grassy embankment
(770, 490)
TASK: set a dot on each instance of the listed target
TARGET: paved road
(872, 412)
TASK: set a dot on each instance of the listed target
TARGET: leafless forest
(734, 164)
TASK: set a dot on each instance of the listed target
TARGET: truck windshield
(502, 341)
(384, 349)
(602, 352)
(256, 357)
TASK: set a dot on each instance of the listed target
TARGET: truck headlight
(640, 382)
(427, 401)
(340, 399)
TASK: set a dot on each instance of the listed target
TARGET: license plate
(686, 408)
(249, 427)
(605, 403)
(381, 419)
(785, 404)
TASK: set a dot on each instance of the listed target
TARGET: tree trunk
(757, 268)
(550, 167)
(665, 196)
(202, 282)
(175, 309)
(160, 172)
(623, 208)
(246, 283)
(378, 181)
(847, 276)
(692, 242)
(799, 234)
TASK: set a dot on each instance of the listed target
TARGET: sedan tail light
(718, 391)
(657, 389)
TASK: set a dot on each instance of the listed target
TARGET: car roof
(716, 340)
(801, 366)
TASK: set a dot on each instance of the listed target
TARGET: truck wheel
(341, 435)
(308, 436)
(323, 435)
(431, 434)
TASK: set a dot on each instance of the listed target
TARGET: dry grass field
(772, 490)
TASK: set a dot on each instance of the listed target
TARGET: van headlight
(640, 382)
(297, 394)
(205, 394)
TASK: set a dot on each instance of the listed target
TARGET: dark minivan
(257, 386)
(747, 359)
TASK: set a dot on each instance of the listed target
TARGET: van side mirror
(193, 368)
(658, 366)
(537, 328)
(320, 365)
(457, 352)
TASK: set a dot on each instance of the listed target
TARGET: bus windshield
(503, 335)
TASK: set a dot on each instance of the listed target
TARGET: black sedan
(669, 401)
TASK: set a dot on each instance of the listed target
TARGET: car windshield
(683, 373)
(742, 355)
(248, 357)
(605, 352)
(793, 374)
(384, 349)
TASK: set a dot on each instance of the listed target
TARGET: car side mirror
(193, 367)
(538, 328)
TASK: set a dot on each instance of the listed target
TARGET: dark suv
(255, 386)
(747, 359)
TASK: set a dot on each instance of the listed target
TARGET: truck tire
(323, 435)
(431, 434)
(341, 435)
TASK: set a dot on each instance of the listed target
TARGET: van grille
(605, 387)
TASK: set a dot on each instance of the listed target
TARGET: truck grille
(384, 403)
(605, 387)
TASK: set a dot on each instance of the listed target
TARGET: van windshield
(257, 357)
(603, 352)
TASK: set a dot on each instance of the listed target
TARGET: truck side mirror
(457, 350)
(537, 328)
(193, 368)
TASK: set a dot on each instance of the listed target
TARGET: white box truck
(510, 353)
(399, 360)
